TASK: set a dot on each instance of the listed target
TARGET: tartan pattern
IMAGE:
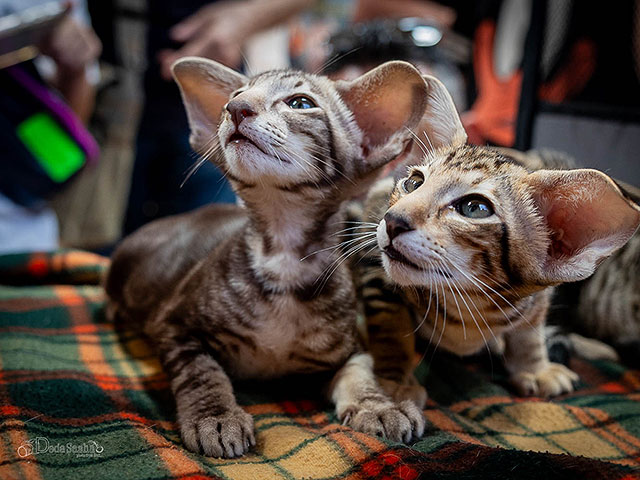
(95, 395)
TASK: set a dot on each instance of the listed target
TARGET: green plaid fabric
(81, 398)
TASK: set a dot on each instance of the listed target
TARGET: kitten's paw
(227, 435)
(399, 422)
(553, 380)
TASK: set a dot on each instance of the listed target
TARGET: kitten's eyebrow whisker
(426, 135)
(334, 60)
(421, 144)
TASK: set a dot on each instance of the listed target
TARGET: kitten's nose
(239, 110)
(396, 225)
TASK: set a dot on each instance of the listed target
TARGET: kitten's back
(149, 264)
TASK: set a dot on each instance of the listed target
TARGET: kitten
(476, 241)
(233, 292)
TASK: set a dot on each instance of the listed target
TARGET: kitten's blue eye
(474, 206)
(412, 183)
(301, 102)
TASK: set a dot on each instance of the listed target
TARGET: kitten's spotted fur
(470, 283)
(231, 291)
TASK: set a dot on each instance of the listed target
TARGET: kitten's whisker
(338, 261)
(355, 223)
(415, 330)
(295, 155)
(477, 282)
(444, 318)
(426, 135)
(343, 258)
(333, 60)
(421, 144)
(473, 316)
(482, 290)
(334, 247)
(355, 234)
(333, 168)
(352, 228)
(209, 152)
(510, 305)
(455, 299)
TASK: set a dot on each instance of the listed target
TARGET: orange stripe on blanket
(349, 446)
(613, 433)
(86, 328)
(443, 422)
(28, 464)
(178, 463)
(69, 297)
(483, 401)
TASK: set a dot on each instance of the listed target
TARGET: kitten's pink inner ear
(587, 216)
(385, 100)
(205, 86)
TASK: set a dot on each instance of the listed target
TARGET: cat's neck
(291, 234)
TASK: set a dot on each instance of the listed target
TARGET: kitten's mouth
(394, 254)
(238, 138)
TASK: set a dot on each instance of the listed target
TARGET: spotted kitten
(477, 242)
(233, 292)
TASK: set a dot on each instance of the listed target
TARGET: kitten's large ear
(587, 216)
(385, 102)
(205, 86)
(440, 125)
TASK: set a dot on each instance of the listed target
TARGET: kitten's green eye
(413, 182)
(300, 102)
(474, 206)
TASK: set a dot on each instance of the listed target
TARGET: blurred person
(177, 28)
(68, 64)
(367, 10)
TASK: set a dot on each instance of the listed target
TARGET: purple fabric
(61, 111)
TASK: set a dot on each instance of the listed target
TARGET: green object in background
(52, 147)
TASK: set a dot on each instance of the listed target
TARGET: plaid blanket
(81, 398)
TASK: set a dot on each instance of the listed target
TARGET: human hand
(72, 46)
(216, 31)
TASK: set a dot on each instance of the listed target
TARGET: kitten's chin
(404, 274)
(251, 165)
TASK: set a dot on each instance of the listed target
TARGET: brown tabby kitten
(476, 242)
(230, 291)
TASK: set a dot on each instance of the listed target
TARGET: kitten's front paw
(553, 380)
(226, 435)
(398, 422)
